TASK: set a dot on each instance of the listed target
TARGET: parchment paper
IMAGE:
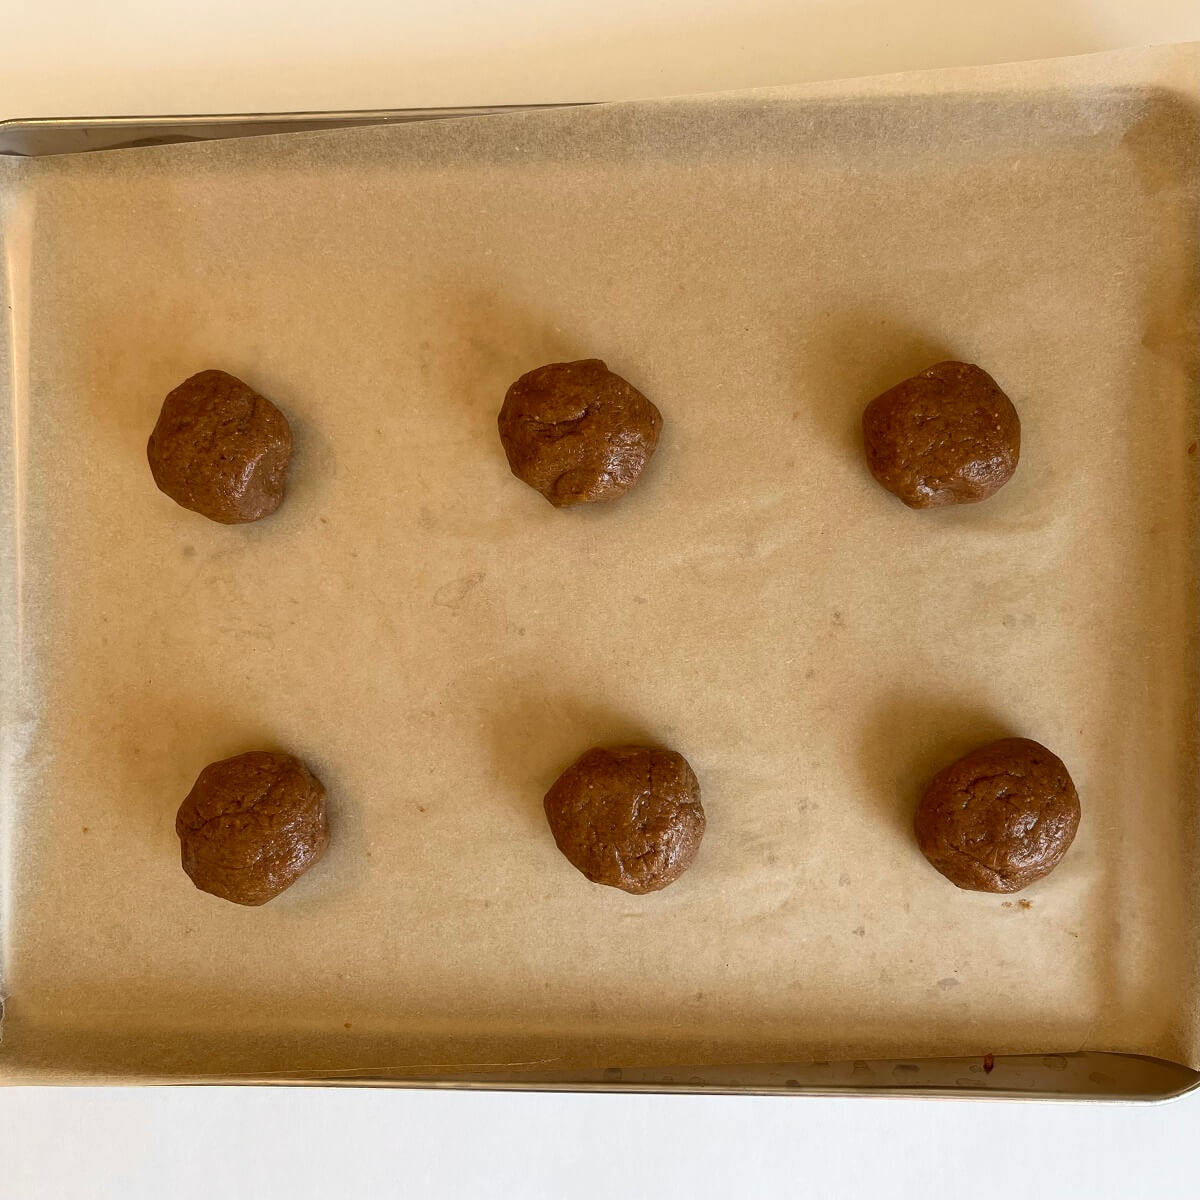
(439, 643)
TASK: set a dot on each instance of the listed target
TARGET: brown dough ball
(578, 433)
(946, 436)
(1000, 817)
(251, 826)
(221, 449)
(629, 817)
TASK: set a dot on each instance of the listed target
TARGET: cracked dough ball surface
(251, 826)
(948, 435)
(221, 449)
(577, 433)
(1000, 817)
(629, 817)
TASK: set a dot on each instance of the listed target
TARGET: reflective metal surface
(76, 135)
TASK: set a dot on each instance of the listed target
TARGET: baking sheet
(438, 643)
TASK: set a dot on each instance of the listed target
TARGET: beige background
(62, 57)
(69, 57)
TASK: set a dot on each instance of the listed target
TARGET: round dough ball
(629, 817)
(578, 433)
(221, 449)
(946, 436)
(1000, 817)
(252, 825)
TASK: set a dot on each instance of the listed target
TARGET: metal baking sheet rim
(1081, 1075)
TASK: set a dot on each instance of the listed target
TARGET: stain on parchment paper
(451, 595)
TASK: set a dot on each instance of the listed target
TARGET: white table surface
(73, 57)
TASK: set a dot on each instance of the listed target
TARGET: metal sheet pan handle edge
(41, 136)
